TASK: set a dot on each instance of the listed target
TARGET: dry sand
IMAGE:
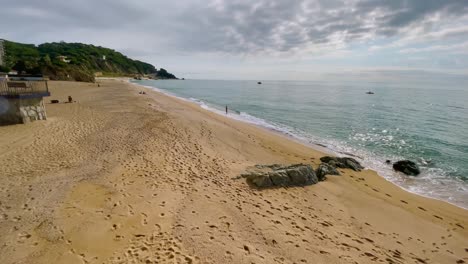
(119, 177)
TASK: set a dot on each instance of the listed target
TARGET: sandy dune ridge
(119, 177)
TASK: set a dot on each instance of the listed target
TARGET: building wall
(21, 111)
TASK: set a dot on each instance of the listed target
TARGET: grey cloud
(263, 25)
(70, 14)
(402, 12)
(233, 26)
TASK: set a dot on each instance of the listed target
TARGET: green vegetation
(80, 63)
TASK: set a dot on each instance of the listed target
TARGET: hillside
(75, 61)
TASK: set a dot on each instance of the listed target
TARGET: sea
(424, 123)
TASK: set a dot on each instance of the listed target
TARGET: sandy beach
(120, 177)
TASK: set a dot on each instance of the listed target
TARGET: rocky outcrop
(260, 180)
(282, 176)
(342, 162)
(325, 169)
(407, 167)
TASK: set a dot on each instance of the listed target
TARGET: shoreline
(288, 136)
(120, 177)
(295, 138)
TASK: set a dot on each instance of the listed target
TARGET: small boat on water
(370, 92)
(259, 82)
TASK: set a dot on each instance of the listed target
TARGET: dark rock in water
(407, 167)
(325, 169)
(344, 162)
(277, 175)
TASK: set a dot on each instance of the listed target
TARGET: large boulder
(260, 180)
(342, 162)
(326, 169)
(277, 175)
(269, 167)
(279, 178)
(407, 167)
(301, 174)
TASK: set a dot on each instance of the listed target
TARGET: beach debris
(408, 167)
(264, 176)
(54, 101)
(342, 162)
(325, 169)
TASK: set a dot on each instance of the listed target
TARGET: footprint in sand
(22, 237)
(247, 249)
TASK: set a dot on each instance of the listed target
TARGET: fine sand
(119, 177)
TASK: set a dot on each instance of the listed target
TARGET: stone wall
(32, 110)
(21, 110)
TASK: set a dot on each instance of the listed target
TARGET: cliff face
(74, 61)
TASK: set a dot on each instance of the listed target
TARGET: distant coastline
(74, 62)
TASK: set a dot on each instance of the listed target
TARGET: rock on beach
(282, 176)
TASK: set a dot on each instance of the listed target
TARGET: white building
(63, 58)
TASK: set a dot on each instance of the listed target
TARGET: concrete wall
(21, 111)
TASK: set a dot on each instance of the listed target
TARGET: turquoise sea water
(426, 124)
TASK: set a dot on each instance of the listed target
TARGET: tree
(20, 66)
(84, 60)
(4, 68)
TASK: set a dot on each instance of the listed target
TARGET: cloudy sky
(244, 39)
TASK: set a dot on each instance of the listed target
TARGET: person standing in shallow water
(226, 110)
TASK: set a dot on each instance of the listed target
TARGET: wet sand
(119, 177)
